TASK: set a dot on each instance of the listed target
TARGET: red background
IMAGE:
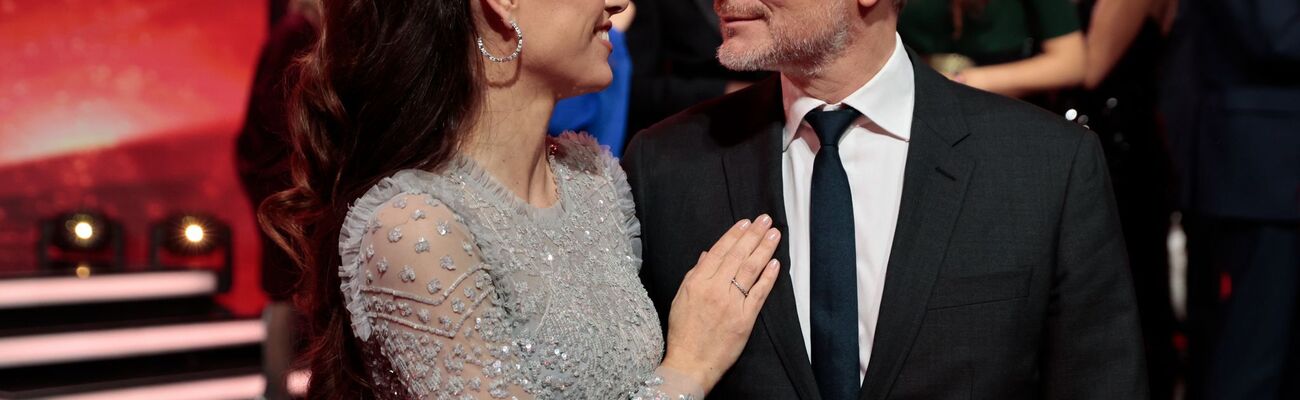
(129, 107)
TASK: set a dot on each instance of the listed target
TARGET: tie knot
(830, 126)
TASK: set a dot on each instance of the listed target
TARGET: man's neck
(853, 67)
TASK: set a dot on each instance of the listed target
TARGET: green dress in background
(1004, 31)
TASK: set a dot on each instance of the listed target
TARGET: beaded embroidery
(511, 300)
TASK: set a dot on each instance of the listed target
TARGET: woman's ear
(499, 13)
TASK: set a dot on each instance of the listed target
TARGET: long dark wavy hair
(390, 85)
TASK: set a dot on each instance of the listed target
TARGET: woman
(1015, 48)
(475, 256)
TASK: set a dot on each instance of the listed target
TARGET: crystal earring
(519, 46)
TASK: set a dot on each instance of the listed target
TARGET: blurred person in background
(262, 147)
(1016, 48)
(674, 45)
(1125, 47)
(262, 159)
(1232, 99)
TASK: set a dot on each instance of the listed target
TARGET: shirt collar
(886, 100)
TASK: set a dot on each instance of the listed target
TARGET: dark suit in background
(1233, 109)
(674, 45)
(1007, 278)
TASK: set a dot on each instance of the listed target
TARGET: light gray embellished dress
(458, 289)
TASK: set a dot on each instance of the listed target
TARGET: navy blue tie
(832, 274)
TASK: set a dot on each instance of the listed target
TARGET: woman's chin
(593, 83)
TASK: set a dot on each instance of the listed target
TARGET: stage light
(84, 230)
(194, 233)
(192, 241)
(190, 234)
(83, 270)
(79, 238)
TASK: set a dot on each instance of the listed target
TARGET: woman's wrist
(698, 375)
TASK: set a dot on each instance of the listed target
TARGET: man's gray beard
(802, 56)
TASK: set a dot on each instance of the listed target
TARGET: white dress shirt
(874, 152)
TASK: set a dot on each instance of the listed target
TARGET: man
(1233, 102)
(940, 242)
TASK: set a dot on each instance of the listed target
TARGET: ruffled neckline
(470, 173)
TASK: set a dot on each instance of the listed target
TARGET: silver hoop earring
(519, 46)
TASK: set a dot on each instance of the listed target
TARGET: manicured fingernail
(764, 219)
(773, 234)
(772, 264)
(744, 223)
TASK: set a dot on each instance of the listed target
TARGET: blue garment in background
(602, 114)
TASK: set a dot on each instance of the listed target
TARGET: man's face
(782, 35)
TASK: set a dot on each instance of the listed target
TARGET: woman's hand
(715, 308)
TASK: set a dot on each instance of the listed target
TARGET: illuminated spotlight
(194, 233)
(84, 230)
(192, 241)
(83, 270)
(79, 238)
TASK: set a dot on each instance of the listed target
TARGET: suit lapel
(753, 170)
(934, 184)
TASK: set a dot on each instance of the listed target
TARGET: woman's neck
(509, 141)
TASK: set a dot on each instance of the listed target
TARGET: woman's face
(566, 43)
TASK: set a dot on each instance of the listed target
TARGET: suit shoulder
(1001, 116)
(698, 121)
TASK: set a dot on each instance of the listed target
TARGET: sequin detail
(395, 235)
(537, 303)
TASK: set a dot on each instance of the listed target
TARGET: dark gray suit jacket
(1007, 278)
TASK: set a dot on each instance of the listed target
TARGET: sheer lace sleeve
(432, 305)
